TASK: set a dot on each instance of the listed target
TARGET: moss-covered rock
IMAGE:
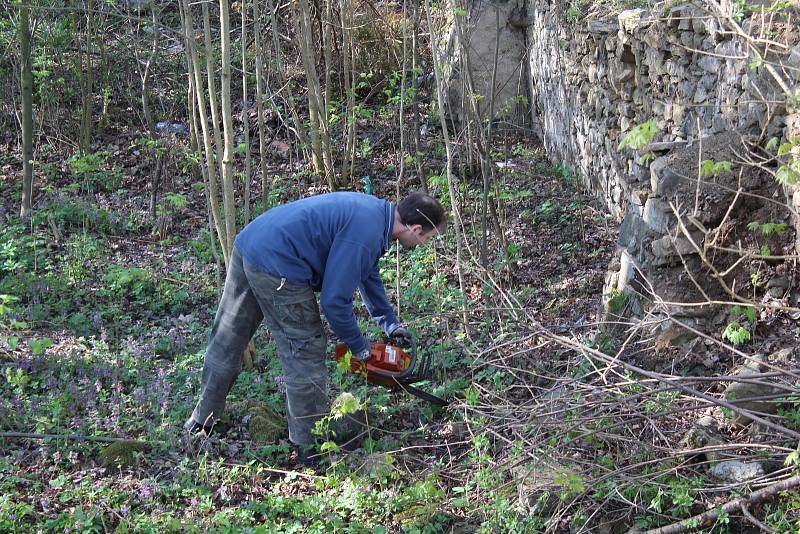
(266, 426)
(121, 453)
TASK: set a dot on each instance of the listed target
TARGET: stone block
(657, 216)
(710, 64)
(633, 20)
(668, 250)
(793, 63)
(663, 180)
(653, 39)
(602, 26)
(737, 472)
(700, 95)
(627, 270)
(678, 112)
(633, 231)
(740, 393)
(709, 80)
(687, 38)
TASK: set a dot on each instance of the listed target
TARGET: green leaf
(460, 12)
(343, 365)
(472, 395)
(772, 143)
(329, 446)
(639, 136)
(38, 346)
(786, 175)
(711, 168)
(736, 333)
(646, 158)
(12, 342)
(345, 403)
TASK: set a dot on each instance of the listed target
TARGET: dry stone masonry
(591, 79)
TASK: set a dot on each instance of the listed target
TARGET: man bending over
(328, 244)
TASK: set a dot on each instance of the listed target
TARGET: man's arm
(347, 261)
(374, 296)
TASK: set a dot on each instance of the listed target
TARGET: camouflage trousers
(292, 315)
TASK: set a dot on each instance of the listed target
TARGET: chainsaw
(394, 368)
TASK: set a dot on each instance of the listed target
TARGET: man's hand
(363, 355)
(400, 335)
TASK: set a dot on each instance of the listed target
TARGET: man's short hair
(422, 209)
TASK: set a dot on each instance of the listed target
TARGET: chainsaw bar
(422, 394)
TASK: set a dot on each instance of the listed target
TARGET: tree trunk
(26, 77)
(245, 120)
(262, 136)
(150, 125)
(87, 83)
(415, 98)
(320, 135)
(325, 137)
(303, 31)
(348, 82)
(212, 96)
(208, 145)
(228, 199)
(299, 131)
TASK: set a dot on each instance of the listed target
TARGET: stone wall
(592, 79)
(591, 82)
(489, 30)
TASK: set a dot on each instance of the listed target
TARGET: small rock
(778, 285)
(704, 433)
(737, 472)
(782, 356)
(375, 462)
(740, 392)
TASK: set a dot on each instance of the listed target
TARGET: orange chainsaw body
(387, 365)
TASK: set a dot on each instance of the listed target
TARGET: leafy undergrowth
(107, 307)
(104, 320)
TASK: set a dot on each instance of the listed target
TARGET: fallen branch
(73, 437)
(731, 506)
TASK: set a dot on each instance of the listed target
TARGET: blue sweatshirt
(332, 243)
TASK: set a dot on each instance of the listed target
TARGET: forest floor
(104, 329)
(107, 303)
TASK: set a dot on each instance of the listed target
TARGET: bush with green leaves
(72, 213)
(94, 172)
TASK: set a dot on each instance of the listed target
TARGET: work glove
(400, 335)
(363, 355)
